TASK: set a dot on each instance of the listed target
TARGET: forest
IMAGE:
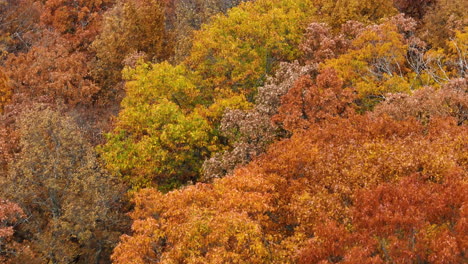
(233, 131)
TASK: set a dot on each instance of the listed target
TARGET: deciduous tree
(52, 71)
(250, 132)
(129, 27)
(414, 8)
(160, 137)
(280, 201)
(308, 102)
(413, 220)
(336, 13)
(376, 62)
(19, 20)
(189, 16)
(427, 103)
(72, 205)
(442, 20)
(5, 90)
(235, 52)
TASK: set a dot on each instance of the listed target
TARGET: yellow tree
(376, 63)
(160, 137)
(265, 212)
(235, 52)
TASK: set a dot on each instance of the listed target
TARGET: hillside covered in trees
(233, 131)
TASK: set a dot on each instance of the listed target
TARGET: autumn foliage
(240, 131)
(264, 212)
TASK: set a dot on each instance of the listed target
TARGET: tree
(19, 20)
(189, 16)
(160, 138)
(231, 56)
(413, 220)
(52, 71)
(72, 205)
(308, 102)
(235, 52)
(79, 18)
(266, 211)
(414, 8)
(249, 132)
(130, 27)
(336, 13)
(5, 90)
(376, 62)
(428, 103)
(442, 20)
(320, 43)
(10, 214)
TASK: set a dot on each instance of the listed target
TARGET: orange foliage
(5, 90)
(53, 70)
(264, 212)
(19, 22)
(78, 19)
(11, 251)
(413, 220)
(308, 102)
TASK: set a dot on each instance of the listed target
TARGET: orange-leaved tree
(264, 212)
(412, 220)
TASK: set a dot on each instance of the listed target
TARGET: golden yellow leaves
(5, 90)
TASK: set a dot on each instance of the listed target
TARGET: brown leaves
(249, 132)
(320, 43)
(427, 103)
(78, 20)
(129, 27)
(52, 71)
(73, 205)
(19, 22)
(11, 215)
(441, 21)
(414, 8)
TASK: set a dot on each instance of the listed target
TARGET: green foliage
(230, 57)
(160, 138)
(167, 126)
(268, 210)
(189, 16)
(310, 179)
